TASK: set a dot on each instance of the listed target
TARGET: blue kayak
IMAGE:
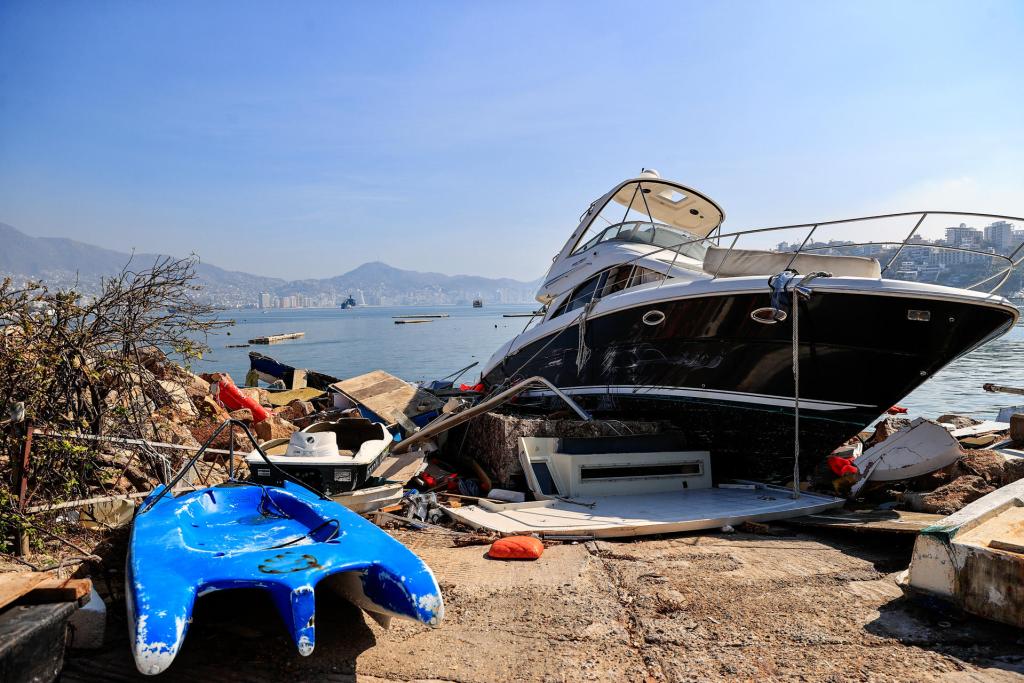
(284, 540)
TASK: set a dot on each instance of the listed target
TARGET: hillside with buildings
(68, 264)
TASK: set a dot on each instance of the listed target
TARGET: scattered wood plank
(395, 401)
(16, 584)
(57, 590)
(1008, 546)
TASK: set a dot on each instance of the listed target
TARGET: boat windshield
(647, 232)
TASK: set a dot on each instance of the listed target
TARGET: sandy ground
(820, 606)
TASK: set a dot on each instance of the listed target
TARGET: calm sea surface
(344, 343)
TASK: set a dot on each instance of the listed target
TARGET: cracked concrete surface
(695, 607)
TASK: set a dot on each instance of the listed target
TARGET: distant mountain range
(64, 262)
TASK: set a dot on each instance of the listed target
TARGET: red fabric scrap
(841, 466)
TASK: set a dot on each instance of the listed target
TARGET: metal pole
(904, 243)
(800, 250)
(231, 452)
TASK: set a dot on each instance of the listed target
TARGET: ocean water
(350, 342)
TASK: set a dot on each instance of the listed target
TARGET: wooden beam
(16, 584)
(58, 590)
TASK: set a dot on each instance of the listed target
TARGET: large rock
(204, 430)
(1017, 428)
(212, 377)
(274, 427)
(296, 410)
(258, 394)
(178, 400)
(195, 386)
(167, 431)
(947, 499)
(211, 411)
(886, 427)
(958, 421)
(994, 467)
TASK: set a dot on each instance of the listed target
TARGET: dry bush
(78, 363)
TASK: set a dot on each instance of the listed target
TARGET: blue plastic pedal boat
(285, 540)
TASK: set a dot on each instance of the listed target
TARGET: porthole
(653, 317)
(768, 315)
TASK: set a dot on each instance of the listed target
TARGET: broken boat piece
(608, 487)
(331, 457)
(987, 427)
(271, 370)
(920, 448)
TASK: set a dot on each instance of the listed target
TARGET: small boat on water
(478, 303)
(285, 540)
(271, 370)
(348, 303)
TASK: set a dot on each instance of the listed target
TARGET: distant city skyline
(301, 141)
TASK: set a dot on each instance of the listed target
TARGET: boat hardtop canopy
(670, 203)
(641, 211)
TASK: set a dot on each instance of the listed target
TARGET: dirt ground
(798, 606)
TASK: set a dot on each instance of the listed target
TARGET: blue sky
(302, 139)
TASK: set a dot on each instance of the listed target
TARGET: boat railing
(230, 425)
(1009, 261)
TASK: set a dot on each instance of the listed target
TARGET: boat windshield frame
(679, 240)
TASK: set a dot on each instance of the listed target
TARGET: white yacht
(651, 311)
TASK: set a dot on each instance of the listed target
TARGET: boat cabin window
(582, 295)
(655, 234)
(605, 283)
(641, 276)
(617, 280)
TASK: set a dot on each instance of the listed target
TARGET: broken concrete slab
(974, 558)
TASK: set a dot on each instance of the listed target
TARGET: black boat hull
(727, 380)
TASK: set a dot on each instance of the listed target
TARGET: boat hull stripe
(650, 391)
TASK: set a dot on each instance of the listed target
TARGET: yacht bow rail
(1012, 260)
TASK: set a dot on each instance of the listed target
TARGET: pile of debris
(934, 466)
